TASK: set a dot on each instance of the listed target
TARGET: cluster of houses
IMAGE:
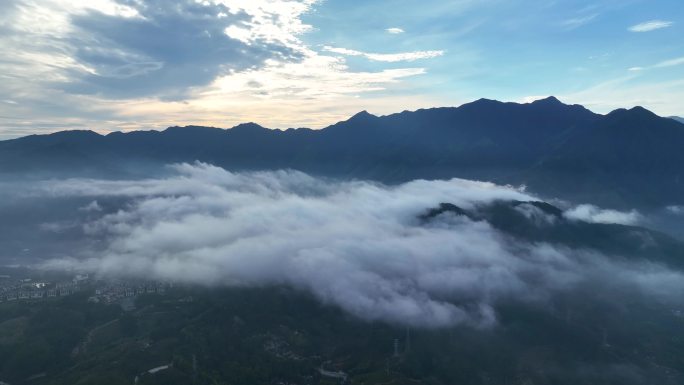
(27, 290)
(104, 292)
(115, 291)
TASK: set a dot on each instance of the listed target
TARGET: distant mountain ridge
(629, 157)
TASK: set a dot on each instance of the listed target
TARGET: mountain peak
(251, 126)
(361, 120)
(484, 101)
(189, 130)
(362, 115)
(75, 133)
(551, 100)
(641, 110)
(480, 105)
(634, 112)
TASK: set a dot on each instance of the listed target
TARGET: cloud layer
(124, 49)
(387, 57)
(649, 26)
(356, 245)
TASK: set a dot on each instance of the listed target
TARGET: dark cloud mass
(164, 50)
(357, 245)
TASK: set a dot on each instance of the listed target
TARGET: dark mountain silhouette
(678, 118)
(625, 158)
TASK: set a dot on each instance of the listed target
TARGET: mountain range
(626, 158)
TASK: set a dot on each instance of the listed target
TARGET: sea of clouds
(357, 245)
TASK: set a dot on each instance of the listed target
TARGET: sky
(121, 65)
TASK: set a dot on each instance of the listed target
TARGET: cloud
(536, 215)
(90, 207)
(650, 26)
(663, 64)
(662, 96)
(82, 64)
(676, 210)
(57, 227)
(579, 21)
(670, 63)
(593, 214)
(388, 57)
(59, 49)
(394, 30)
(317, 76)
(357, 245)
(185, 45)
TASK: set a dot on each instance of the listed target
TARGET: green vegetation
(273, 335)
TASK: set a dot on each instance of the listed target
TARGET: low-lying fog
(357, 245)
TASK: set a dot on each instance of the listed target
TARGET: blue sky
(513, 49)
(146, 64)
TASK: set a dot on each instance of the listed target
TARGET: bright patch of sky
(138, 64)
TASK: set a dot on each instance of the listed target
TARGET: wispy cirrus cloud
(663, 64)
(579, 21)
(651, 25)
(670, 63)
(387, 57)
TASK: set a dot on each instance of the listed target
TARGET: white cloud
(316, 76)
(650, 26)
(91, 207)
(593, 214)
(670, 63)
(388, 57)
(395, 30)
(579, 21)
(357, 245)
(274, 20)
(663, 64)
(536, 215)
